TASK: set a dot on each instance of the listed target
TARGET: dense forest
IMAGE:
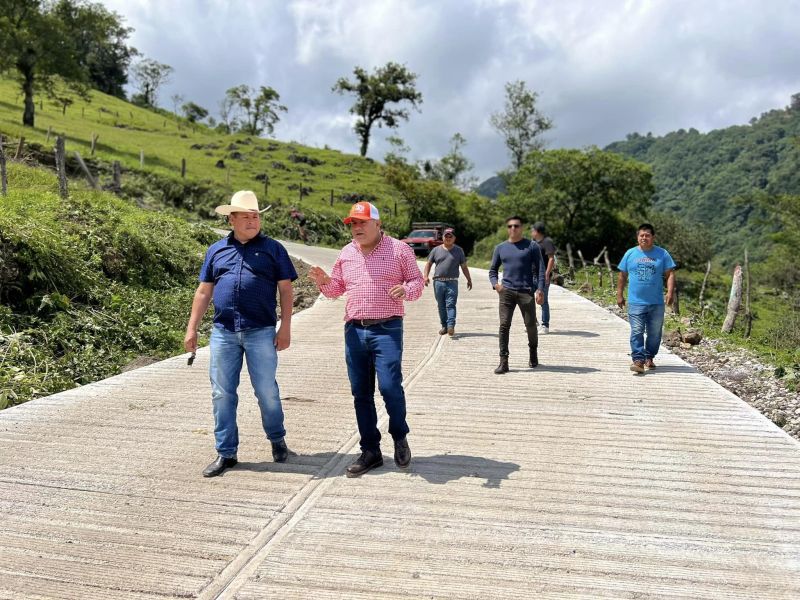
(725, 179)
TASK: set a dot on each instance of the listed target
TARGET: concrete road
(577, 479)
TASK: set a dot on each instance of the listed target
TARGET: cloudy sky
(603, 68)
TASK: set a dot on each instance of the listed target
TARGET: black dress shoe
(279, 451)
(218, 466)
(534, 359)
(368, 460)
(402, 453)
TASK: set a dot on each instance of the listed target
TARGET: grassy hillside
(709, 178)
(87, 284)
(124, 130)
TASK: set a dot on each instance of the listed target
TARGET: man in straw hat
(242, 273)
(378, 273)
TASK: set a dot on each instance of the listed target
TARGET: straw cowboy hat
(243, 201)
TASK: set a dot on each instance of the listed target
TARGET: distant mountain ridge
(707, 178)
(492, 187)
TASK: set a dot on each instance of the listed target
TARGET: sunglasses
(513, 225)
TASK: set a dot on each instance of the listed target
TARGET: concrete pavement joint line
(241, 568)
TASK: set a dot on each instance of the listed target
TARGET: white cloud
(603, 69)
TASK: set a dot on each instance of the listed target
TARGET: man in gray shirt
(447, 258)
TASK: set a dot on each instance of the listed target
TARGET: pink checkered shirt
(368, 279)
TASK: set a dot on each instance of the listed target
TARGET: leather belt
(445, 278)
(371, 322)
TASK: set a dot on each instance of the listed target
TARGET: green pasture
(124, 130)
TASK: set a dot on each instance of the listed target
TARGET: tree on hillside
(426, 200)
(227, 115)
(259, 107)
(38, 48)
(390, 84)
(589, 198)
(148, 76)
(100, 40)
(521, 123)
(177, 102)
(453, 168)
(194, 112)
(398, 154)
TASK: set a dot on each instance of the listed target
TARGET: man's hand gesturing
(319, 276)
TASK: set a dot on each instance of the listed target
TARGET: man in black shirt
(549, 255)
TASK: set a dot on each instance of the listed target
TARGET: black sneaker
(218, 466)
(369, 459)
(279, 451)
(402, 453)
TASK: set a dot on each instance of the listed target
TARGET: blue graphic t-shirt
(646, 274)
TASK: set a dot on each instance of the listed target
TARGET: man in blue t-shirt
(242, 273)
(646, 266)
(522, 261)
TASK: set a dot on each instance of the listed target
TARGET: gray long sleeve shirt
(522, 262)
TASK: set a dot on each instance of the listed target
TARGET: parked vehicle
(425, 236)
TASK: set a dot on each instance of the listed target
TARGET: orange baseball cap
(361, 211)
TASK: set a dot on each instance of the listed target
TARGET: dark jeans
(510, 299)
(370, 351)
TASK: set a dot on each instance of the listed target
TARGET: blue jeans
(645, 319)
(546, 306)
(370, 351)
(446, 293)
(227, 350)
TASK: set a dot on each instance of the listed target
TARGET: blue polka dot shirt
(245, 278)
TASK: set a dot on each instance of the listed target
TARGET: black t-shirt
(548, 247)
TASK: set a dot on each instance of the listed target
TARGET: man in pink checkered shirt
(378, 273)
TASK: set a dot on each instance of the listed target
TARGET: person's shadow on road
(443, 468)
(437, 469)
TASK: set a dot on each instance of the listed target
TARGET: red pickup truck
(425, 236)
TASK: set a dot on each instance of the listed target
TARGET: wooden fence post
(676, 299)
(570, 261)
(141, 157)
(583, 260)
(21, 145)
(266, 186)
(94, 143)
(332, 198)
(116, 176)
(735, 300)
(183, 167)
(49, 133)
(599, 256)
(3, 177)
(610, 271)
(61, 168)
(748, 317)
(703, 287)
(85, 169)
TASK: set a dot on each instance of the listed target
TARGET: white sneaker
(544, 330)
